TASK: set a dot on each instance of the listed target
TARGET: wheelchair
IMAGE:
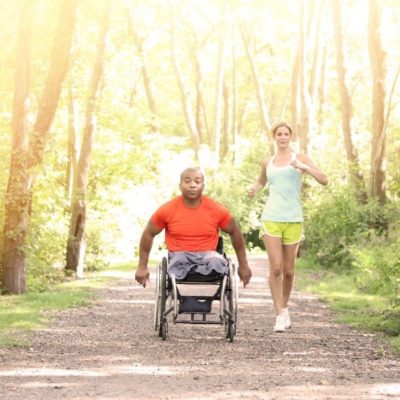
(176, 298)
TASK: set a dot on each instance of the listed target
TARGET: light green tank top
(283, 203)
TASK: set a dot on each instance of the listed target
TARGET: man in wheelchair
(192, 222)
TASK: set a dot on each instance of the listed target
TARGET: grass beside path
(26, 312)
(355, 307)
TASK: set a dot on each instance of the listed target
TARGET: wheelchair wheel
(157, 300)
(161, 295)
(163, 298)
(163, 330)
(231, 331)
(234, 286)
(231, 297)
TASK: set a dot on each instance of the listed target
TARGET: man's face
(192, 185)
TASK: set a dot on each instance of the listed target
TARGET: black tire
(163, 298)
(233, 293)
(229, 320)
(163, 330)
(157, 301)
(231, 331)
(231, 301)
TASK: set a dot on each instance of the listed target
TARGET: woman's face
(282, 136)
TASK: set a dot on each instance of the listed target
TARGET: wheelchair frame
(168, 300)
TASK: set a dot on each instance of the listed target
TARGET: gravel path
(110, 351)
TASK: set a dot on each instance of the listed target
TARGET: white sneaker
(286, 315)
(279, 323)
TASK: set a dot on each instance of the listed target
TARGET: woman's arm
(304, 163)
(260, 182)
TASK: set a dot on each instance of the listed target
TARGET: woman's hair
(280, 124)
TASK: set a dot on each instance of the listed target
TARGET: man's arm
(146, 242)
(240, 249)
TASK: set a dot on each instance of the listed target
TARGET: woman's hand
(300, 165)
(310, 167)
(251, 191)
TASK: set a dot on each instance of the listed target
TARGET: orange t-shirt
(191, 229)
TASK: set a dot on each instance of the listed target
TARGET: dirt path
(110, 351)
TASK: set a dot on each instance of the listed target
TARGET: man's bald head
(188, 171)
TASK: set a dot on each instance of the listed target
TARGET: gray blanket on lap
(203, 262)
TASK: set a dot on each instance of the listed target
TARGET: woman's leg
(273, 245)
(289, 255)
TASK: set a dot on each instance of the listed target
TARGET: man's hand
(142, 275)
(244, 273)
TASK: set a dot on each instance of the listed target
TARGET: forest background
(103, 103)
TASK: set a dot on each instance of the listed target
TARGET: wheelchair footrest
(191, 304)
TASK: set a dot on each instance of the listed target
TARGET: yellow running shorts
(290, 232)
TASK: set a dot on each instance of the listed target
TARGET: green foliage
(393, 166)
(330, 227)
(46, 241)
(229, 187)
(335, 222)
(351, 253)
(378, 264)
(102, 236)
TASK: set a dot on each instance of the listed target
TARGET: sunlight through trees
(165, 84)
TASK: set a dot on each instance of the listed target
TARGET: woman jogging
(282, 218)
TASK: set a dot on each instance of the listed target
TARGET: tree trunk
(356, 177)
(58, 69)
(195, 45)
(319, 22)
(378, 145)
(201, 115)
(226, 124)
(154, 125)
(304, 120)
(72, 151)
(235, 109)
(314, 44)
(23, 171)
(17, 196)
(294, 93)
(76, 244)
(219, 94)
(265, 118)
(322, 85)
(185, 94)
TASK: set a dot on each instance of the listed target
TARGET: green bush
(332, 224)
(378, 264)
(335, 224)
(344, 235)
(46, 241)
(230, 189)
